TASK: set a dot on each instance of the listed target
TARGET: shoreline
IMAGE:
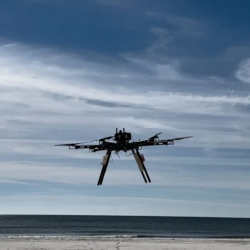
(114, 237)
(89, 243)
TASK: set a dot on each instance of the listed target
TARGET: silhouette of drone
(121, 141)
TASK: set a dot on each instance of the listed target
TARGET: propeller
(68, 144)
(106, 138)
(180, 138)
(75, 144)
(155, 136)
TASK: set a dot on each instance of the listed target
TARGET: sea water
(122, 226)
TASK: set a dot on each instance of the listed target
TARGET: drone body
(121, 141)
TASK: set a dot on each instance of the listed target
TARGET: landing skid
(138, 158)
(105, 163)
(141, 165)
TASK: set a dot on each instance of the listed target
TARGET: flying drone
(121, 141)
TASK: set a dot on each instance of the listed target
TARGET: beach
(85, 232)
(119, 244)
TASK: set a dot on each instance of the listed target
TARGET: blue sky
(75, 70)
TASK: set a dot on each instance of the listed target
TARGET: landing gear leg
(105, 163)
(141, 165)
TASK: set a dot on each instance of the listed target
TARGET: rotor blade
(155, 136)
(106, 138)
(88, 141)
(179, 138)
(67, 144)
(158, 134)
(105, 163)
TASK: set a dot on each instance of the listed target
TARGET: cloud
(145, 71)
(44, 92)
(82, 204)
(41, 77)
(243, 72)
(49, 97)
(166, 172)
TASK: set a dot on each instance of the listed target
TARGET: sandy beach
(128, 244)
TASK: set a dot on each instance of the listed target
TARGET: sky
(75, 70)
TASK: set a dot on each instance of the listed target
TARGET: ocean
(122, 226)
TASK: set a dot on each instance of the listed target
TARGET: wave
(118, 236)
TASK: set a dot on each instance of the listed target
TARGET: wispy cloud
(146, 67)
(51, 89)
(243, 72)
(82, 204)
(48, 97)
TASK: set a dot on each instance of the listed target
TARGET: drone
(121, 141)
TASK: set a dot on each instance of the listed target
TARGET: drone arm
(105, 163)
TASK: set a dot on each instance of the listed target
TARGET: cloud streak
(56, 92)
(49, 97)
(243, 72)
